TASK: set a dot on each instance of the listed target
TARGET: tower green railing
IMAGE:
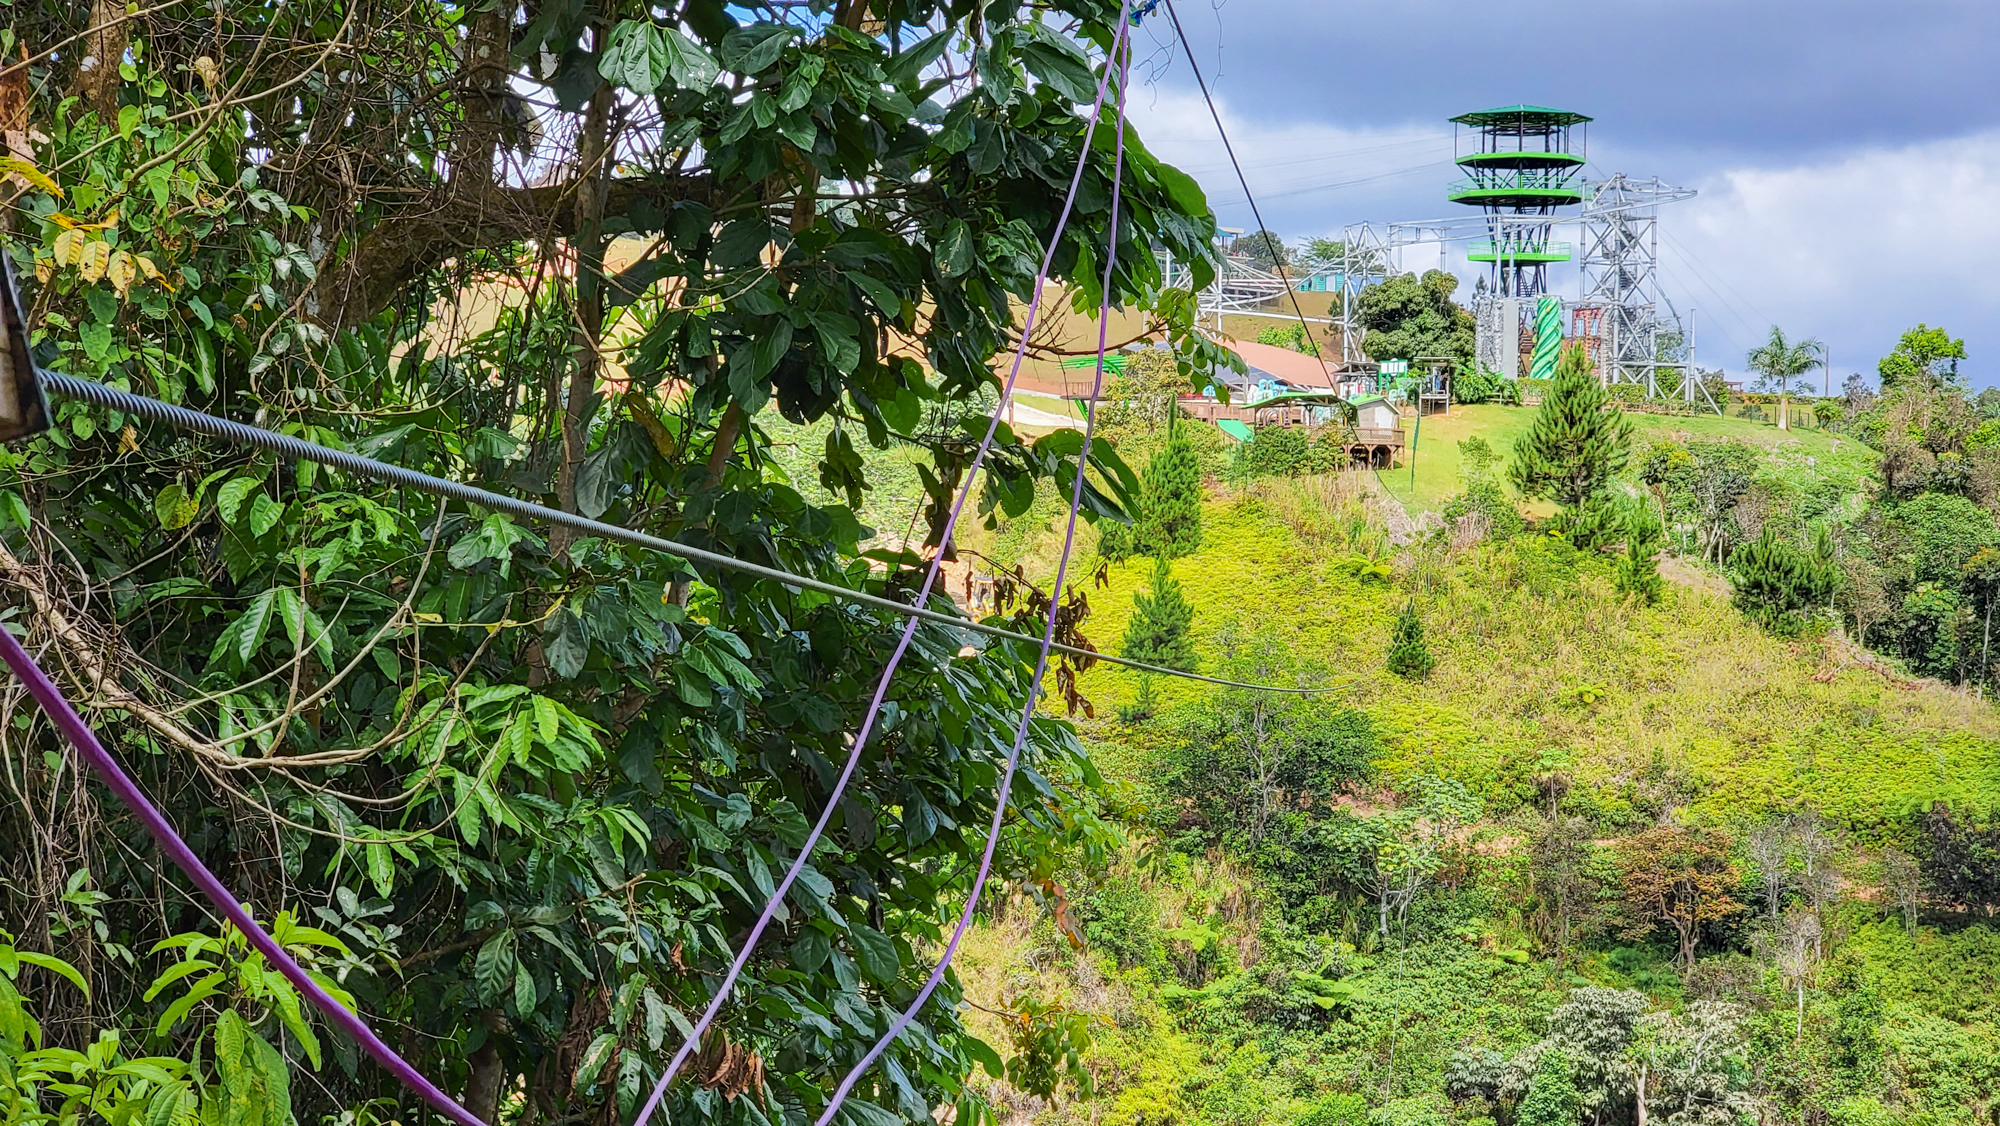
(1522, 164)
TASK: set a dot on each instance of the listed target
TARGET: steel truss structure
(1624, 320)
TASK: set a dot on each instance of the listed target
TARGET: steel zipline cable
(1241, 179)
(288, 446)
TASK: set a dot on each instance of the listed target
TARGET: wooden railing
(1373, 437)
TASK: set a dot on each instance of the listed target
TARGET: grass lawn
(1438, 464)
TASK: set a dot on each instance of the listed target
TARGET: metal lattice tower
(1624, 320)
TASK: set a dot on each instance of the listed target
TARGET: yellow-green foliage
(1536, 655)
(1147, 1071)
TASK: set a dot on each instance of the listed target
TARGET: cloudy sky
(1847, 154)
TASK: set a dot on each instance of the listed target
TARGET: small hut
(1378, 431)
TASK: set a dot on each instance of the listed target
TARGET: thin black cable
(1276, 257)
(288, 446)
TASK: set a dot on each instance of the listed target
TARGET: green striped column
(1548, 338)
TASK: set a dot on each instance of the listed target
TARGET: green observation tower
(1521, 163)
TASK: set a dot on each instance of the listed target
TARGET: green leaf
(493, 967)
(954, 251)
(750, 49)
(640, 56)
(128, 120)
(524, 989)
(242, 637)
(635, 56)
(253, 1080)
(875, 952)
(656, 1019)
(1054, 63)
(264, 514)
(880, 292)
(983, 1054)
(291, 615)
(174, 507)
(548, 721)
(594, 1059)
(381, 868)
(810, 951)
(174, 973)
(750, 364)
(56, 966)
(96, 339)
(229, 498)
(13, 510)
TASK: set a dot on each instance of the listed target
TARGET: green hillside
(1229, 969)
(1798, 453)
(1520, 631)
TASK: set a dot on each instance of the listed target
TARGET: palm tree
(1781, 361)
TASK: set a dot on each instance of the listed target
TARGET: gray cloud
(1848, 154)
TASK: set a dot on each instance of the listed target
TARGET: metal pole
(1414, 438)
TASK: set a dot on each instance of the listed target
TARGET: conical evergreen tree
(1158, 635)
(1408, 655)
(1780, 586)
(1639, 568)
(1168, 523)
(1578, 443)
(1158, 631)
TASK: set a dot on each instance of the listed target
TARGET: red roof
(1295, 368)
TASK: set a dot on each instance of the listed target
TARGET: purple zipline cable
(119, 783)
(769, 913)
(1048, 631)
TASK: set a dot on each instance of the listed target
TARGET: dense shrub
(1944, 531)
(1781, 586)
(1409, 657)
(1119, 916)
(1485, 502)
(1476, 385)
(1289, 451)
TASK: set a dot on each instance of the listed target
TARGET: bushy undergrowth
(1238, 953)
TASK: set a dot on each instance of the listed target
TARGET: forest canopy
(529, 790)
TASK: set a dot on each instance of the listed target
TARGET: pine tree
(1408, 655)
(1780, 586)
(1158, 635)
(1158, 631)
(1168, 523)
(1639, 569)
(1578, 443)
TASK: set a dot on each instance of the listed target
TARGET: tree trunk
(1639, 1100)
(1986, 646)
(483, 1087)
(103, 52)
(593, 156)
(1784, 411)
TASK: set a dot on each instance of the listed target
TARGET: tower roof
(1520, 115)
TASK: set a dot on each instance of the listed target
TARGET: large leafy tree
(1407, 317)
(1924, 357)
(538, 785)
(1266, 248)
(1779, 361)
